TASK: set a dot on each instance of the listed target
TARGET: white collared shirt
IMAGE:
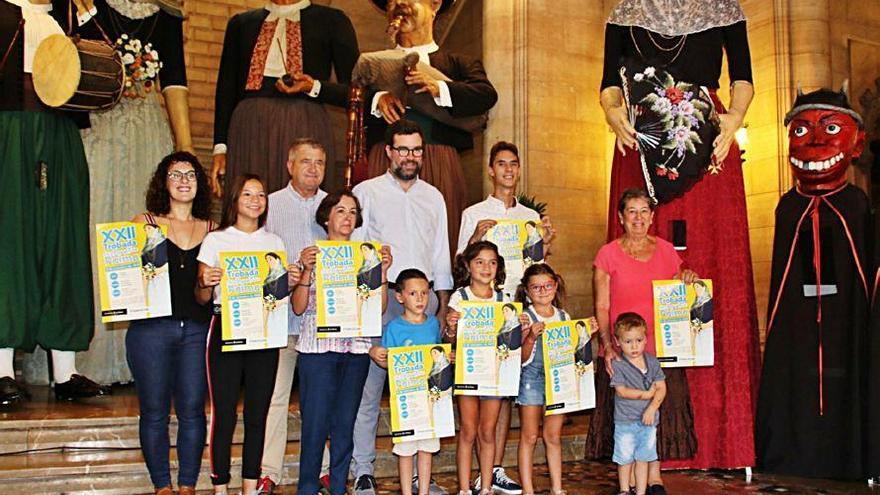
(412, 223)
(424, 51)
(278, 48)
(491, 208)
(232, 239)
(38, 25)
(292, 218)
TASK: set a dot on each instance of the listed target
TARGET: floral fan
(675, 125)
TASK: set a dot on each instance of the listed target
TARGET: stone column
(545, 60)
(810, 44)
(505, 55)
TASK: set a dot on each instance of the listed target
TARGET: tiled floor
(591, 478)
(581, 478)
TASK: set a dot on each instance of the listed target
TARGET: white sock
(63, 365)
(7, 356)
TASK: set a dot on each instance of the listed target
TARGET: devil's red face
(822, 145)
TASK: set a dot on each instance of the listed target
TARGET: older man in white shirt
(291, 217)
(408, 214)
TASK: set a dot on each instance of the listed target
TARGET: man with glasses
(292, 217)
(466, 92)
(476, 220)
(409, 215)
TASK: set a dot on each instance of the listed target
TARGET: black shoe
(79, 387)
(365, 485)
(504, 484)
(656, 490)
(12, 393)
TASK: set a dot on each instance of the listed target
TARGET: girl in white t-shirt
(479, 275)
(244, 215)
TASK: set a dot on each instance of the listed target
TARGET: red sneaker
(265, 486)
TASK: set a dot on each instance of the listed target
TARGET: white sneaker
(434, 488)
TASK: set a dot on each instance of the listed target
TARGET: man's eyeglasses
(177, 176)
(404, 151)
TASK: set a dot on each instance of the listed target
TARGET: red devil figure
(811, 404)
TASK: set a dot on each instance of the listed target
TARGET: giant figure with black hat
(448, 94)
(811, 405)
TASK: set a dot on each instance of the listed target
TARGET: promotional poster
(421, 379)
(683, 323)
(133, 271)
(568, 366)
(521, 244)
(488, 349)
(255, 300)
(349, 289)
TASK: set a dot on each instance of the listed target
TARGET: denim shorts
(634, 441)
(531, 385)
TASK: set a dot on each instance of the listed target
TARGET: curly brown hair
(522, 294)
(158, 201)
(461, 272)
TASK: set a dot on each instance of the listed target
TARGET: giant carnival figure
(45, 276)
(448, 94)
(662, 67)
(811, 405)
(126, 140)
(273, 80)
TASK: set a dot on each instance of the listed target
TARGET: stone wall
(546, 61)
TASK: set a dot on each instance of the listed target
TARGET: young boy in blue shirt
(413, 327)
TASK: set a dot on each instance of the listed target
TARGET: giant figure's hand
(218, 171)
(391, 107)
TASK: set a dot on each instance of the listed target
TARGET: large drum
(77, 74)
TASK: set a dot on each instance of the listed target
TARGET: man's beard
(400, 174)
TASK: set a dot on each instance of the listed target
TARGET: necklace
(679, 45)
(180, 256)
(636, 249)
(117, 20)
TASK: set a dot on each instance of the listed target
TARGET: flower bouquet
(363, 292)
(270, 302)
(434, 394)
(142, 66)
(149, 271)
(675, 124)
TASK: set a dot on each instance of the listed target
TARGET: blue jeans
(330, 387)
(167, 361)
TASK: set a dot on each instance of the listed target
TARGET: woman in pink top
(623, 273)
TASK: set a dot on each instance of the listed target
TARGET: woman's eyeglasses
(404, 151)
(178, 176)
(542, 288)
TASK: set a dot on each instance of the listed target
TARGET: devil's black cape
(872, 429)
(791, 436)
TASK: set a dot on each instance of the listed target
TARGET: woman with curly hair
(167, 355)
